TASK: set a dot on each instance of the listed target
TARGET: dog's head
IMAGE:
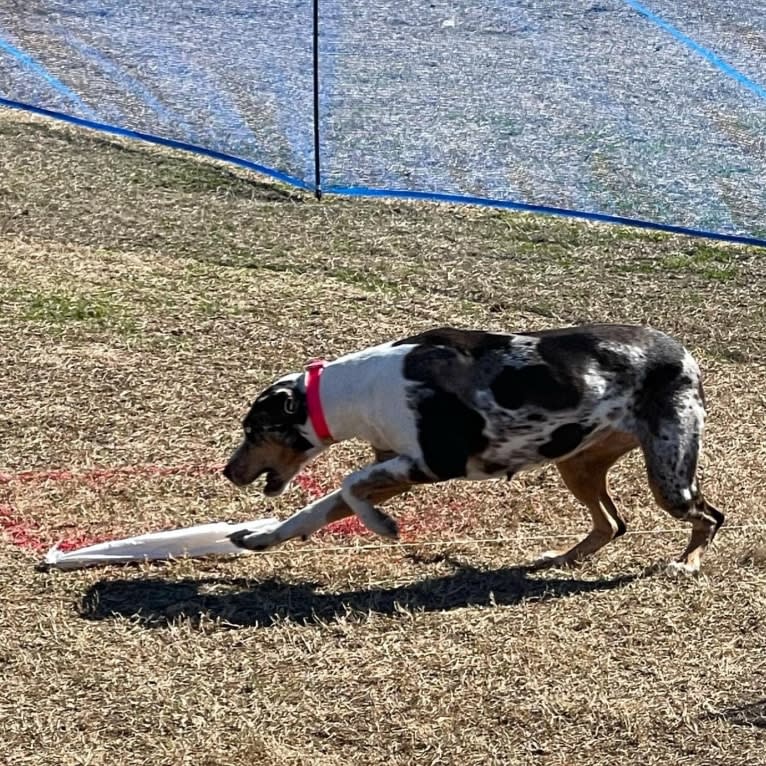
(273, 443)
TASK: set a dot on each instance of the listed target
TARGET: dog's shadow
(239, 602)
(746, 714)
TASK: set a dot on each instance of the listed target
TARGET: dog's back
(541, 396)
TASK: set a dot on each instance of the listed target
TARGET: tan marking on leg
(378, 480)
(705, 520)
(585, 476)
(374, 490)
(340, 510)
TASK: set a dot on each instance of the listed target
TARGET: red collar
(313, 403)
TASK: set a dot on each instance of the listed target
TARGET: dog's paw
(552, 560)
(251, 540)
(381, 524)
(391, 528)
(681, 569)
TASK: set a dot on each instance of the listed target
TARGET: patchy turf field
(146, 296)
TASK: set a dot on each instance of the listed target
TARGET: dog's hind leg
(585, 476)
(670, 421)
(671, 457)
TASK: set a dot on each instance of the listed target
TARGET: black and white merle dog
(461, 404)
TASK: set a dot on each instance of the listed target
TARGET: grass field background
(146, 296)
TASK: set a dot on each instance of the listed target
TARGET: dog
(468, 404)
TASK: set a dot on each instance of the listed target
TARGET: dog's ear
(278, 402)
(279, 405)
(286, 401)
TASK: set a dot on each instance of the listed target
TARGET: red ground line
(306, 481)
(21, 532)
(26, 533)
(101, 474)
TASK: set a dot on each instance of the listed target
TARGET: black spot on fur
(656, 401)
(280, 404)
(471, 342)
(567, 354)
(449, 433)
(564, 439)
(572, 350)
(538, 385)
(658, 398)
(575, 349)
(429, 364)
(571, 343)
(586, 339)
(419, 477)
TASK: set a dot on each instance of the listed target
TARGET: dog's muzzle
(273, 486)
(227, 473)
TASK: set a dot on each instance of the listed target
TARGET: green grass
(716, 264)
(697, 261)
(370, 282)
(99, 310)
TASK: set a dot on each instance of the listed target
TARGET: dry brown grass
(145, 296)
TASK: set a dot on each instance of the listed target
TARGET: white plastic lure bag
(189, 542)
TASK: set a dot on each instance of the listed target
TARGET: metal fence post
(317, 158)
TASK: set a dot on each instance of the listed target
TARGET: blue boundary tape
(34, 66)
(364, 191)
(169, 142)
(701, 50)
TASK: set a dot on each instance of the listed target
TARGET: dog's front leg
(367, 486)
(314, 516)
(301, 524)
